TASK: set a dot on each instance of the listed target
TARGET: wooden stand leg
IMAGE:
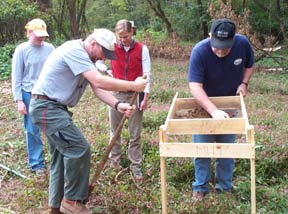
(253, 187)
(163, 185)
(251, 140)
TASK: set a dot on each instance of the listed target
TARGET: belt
(41, 97)
(123, 92)
(44, 97)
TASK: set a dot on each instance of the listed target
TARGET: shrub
(5, 61)
(13, 16)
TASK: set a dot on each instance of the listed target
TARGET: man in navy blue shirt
(221, 65)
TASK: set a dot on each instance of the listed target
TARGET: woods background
(189, 19)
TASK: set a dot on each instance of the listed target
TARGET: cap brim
(109, 54)
(40, 33)
(217, 43)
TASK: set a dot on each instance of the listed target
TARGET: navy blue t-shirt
(220, 76)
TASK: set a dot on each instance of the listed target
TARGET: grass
(267, 105)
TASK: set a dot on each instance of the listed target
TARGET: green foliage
(120, 4)
(182, 16)
(187, 18)
(5, 61)
(14, 15)
(277, 62)
(268, 21)
(181, 171)
(277, 84)
(156, 36)
(135, 10)
(153, 121)
(163, 96)
(31, 195)
(57, 41)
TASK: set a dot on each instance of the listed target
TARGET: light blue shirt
(27, 62)
(61, 78)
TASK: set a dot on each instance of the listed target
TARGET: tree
(203, 22)
(14, 15)
(155, 5)
(70, 18)
(276, 11)
(44, 5)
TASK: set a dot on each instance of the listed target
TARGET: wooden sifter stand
(238, 124)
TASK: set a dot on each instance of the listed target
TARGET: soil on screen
(199, 112)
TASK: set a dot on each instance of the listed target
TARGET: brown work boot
(73, 207)
(198, 196)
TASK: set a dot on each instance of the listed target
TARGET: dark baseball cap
(222, 33)
(109, 54)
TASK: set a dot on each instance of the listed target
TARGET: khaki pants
(134, 129)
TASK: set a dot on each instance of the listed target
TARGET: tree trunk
(71, 13)
(156, 7)
(44, 5)
(59, 18)
(72, 10)
(81, 19)
(203, 23)
(278, 7)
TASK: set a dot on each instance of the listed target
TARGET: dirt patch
(191, 113)
(9, 190)
(201, 113)
(158, 107)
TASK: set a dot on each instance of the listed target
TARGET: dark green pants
(70, 151)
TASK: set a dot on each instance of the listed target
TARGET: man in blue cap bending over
(221, 65)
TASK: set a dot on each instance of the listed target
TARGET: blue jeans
(33, 140)
(223, 166)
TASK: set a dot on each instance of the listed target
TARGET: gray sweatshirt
(27, 63)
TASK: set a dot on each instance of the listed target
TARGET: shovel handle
(109, 147)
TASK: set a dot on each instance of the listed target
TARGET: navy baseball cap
(222, 33)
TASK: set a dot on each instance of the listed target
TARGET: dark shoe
(41, 172)
(74, 207)
(55, 211)
(137, 174)
(116, 165)
(198, 196)
(228, 191)
(40, 175)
